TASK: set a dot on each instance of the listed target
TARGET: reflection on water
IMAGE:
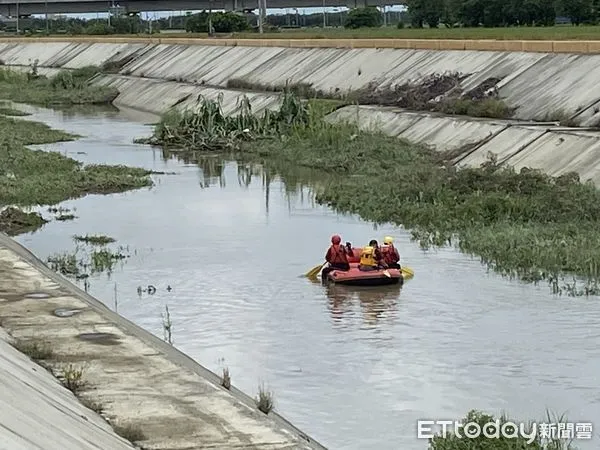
(355, 368)
(376, 304)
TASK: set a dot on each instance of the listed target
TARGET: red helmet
(335, 239)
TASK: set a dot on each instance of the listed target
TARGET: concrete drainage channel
(111, 366)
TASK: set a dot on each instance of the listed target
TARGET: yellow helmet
(388, 240)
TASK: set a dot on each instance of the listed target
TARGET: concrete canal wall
(137, 379)
(541, 84)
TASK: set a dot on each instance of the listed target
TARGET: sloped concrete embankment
(137, 380)
(36, 411)
(156, 77)
(537, 84)
(553, 149)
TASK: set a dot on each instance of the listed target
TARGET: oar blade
(314, 271)
(387, 274)
(407, 272)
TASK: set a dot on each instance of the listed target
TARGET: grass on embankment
(523, 224)
(64, 89)
(35, 177)
(556, 33)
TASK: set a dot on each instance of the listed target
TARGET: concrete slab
(557, 153)
(139, 379)
(156, 96)
(36, 411)
(503, 145)
(448, 133)
(391, 121)
(556, 83)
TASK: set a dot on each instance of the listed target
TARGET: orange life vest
(389, 254)
(337, 255)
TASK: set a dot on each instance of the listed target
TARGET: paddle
(387, 274)
(407, 273)
(315, 270)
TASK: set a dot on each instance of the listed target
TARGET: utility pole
(18, 17)
(324, 17)
(210, 27)
(260, 16)
(47, 24)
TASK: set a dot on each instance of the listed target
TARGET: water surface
(353, 368)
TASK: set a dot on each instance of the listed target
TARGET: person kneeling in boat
(337, 257)
(371, 258)
(390, 254)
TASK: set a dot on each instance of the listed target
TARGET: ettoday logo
(427, 429)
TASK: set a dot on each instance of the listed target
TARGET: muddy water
(354, 368)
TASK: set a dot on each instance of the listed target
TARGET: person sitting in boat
(371, 258)
(390, 254)
(336, 256)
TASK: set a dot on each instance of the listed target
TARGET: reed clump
(64, 89)
(522, 224)
(484, 431)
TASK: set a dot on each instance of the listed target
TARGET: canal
(354, 368)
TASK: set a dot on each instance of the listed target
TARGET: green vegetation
(222, 22)
(64, 89)
(94, 239)
(522, 224)
(264, 400)
(440, 93)
(7, 111)
(72, 378)
(437, 19)
(35, 177)
(511, 438)
(13, 221)
(83, 262)
(133, 433)
(36, 349)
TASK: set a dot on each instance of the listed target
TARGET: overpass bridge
(29, 7)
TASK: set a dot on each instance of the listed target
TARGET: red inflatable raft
(355, 277)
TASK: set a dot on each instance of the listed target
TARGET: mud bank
(137, 379)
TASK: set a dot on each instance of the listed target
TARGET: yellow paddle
(314, 271)
(407, 273)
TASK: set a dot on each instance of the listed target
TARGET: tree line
(501, 13)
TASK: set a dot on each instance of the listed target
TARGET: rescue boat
(356, 277)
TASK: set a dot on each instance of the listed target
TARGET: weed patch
(509, 435)
(264, 400)
(36, 177)
(12, 112)
(522, 224)
(63, 89)
(439, 93)
(132, 433)
(14, 221)
(35, 349)
(83, 262)
(98, 408)
(94, 239)
(226, 379)
(72, 378)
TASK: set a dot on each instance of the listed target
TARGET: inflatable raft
(356, 277)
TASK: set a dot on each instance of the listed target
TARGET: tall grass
(522, 224)
(65, 88)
